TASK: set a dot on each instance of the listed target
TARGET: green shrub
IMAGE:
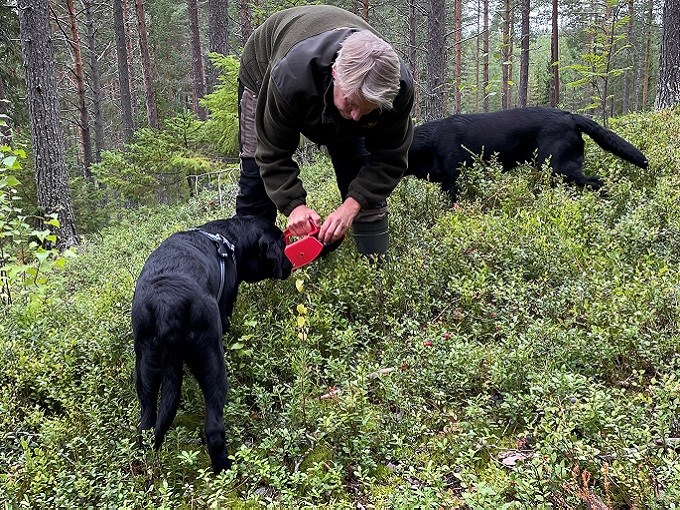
(28, 257)
(156, 166)
(519, 350)
(221, 128)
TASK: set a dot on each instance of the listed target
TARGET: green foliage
(28, 257)
(519, 350)
(157, 165)
(596, 68)
(221, 128)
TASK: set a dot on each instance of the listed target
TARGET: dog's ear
(272, 250)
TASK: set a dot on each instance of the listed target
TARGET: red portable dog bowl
(304, 250)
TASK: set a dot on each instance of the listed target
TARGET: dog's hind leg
(565, 150)
(209, 369)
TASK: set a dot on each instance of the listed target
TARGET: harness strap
(225, 248)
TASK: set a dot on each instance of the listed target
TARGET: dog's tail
(171, 389)
(170, 342)
(159, 315)
(610, 141)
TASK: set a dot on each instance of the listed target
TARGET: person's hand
(300, 220)
(339, 221)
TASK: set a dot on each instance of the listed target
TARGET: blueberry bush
(517, 350)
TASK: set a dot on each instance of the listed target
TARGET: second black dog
(516, 136)
(181, 308)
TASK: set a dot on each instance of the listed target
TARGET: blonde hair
(369, 67)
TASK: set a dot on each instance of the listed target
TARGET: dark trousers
(252, 198)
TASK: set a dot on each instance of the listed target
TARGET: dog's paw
(222, 464)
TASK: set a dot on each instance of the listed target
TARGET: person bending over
(322, 72)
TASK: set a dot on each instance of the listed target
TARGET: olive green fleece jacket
(287, 61)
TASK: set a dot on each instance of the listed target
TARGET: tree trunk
(151, 111)
(648, 56)
(505, 57)
(525, 9)
(609, 24)
(123, 76)
(628, 77)
(668, 80)
(246, 19)
(130, 23)
(436, 60)
(218, 36)
(95, 81)
(51, 174)
(198, 77)
(478, 53)
(412, 23)
(485, 50)
(457, 54)
(554, 59)
(511, 53)
(79, 76)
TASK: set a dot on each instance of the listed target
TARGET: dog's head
(262, 254)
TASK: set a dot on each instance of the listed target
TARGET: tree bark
(246, 19)
(457, 54)
(668, 80)
(511, 54)
(95, 81)
(79, 76)
(554, 59)
(525, 10)
(197, 74)
(478, 53)
(648, 56)
(505, 57)
(218, 37)
(628, 77)
(151, 111)
(130, 24)
(436, 60)
(485, 51)
(412, 23)
(51, 174)
(609, 24)
(123, 76)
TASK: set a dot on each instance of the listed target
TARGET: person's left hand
(337, 222)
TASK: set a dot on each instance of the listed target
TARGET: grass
(517, 351)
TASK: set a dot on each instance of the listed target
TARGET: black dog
(517, 135)
(181, 308)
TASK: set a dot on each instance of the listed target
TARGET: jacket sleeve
(387, 144)
(278, 136)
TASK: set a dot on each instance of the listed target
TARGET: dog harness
(225, 249)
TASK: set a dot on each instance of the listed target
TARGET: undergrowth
(519, 350)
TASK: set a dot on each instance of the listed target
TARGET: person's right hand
(300, 220)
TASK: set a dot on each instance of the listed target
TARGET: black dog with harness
(183, 300)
